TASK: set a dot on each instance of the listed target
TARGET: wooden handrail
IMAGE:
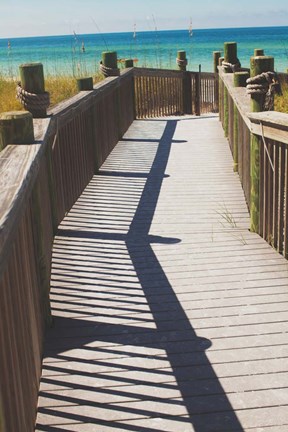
(272, 128)
(38, 187)
(271, 124)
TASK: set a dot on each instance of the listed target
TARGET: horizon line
(140, 31)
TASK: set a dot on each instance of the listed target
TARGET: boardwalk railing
(272, 127)
(168, 92)
(39, 184)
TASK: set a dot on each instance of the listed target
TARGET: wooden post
(221, 96)
(226, 111)
(108, 64)
(258, 52)
(32, 81)
(16, 127)
(221, 91)
(230, 56)
(181, 57)
(32, 77)
(109, 59)
(240, 78)
(85, 84)
(257, 66)
(230, 52)
(128, 63)
(198, 92)
(235, 138)
(216, 57)
(239, 81)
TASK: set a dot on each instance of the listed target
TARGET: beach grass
(8, 100)
(281, 102)
(59, 87)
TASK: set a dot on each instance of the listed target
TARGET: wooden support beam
(230, 56)
(257, 66)
(128, 63)
(230, 52)
(16, 127)
(258, 52)
(109, 64)
(226, 111)
(240, 78)
(181, 60)
(198, 92)
(109, 59)
(85, 84)
(216, 57)
(32, 81)
(235, 137)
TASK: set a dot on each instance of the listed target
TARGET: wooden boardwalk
(170, 314)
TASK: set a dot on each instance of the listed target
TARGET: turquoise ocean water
(65, 54)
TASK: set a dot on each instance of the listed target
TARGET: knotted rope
(181, 62)
(107, 71)
(31, 101)
(266, 83)
(230, 67)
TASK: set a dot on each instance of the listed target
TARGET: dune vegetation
(281, 102)
(59, 87)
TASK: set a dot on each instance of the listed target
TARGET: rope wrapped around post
(31, 101)
(107, 71)
(181, 62)
(230, 67)
(266, 83)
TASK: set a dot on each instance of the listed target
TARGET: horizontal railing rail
(271, 127)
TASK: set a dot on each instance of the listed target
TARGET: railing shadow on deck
(189, 393)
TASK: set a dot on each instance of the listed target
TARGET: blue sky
(54, 17)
